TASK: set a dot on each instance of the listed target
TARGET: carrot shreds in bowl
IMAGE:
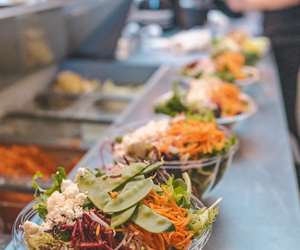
(228, 96)
(165, 205)
(232, 62)
(192, 138)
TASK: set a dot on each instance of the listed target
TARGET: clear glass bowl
(205, 173)
(28, 214)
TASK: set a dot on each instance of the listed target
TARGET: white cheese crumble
(145, 134)
(199, 94)
(64, 207)
(204, 65)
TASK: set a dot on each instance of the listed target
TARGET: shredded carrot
(19, 160)
(233, 62)
(166, 206)
(228, 97)
(192, 138)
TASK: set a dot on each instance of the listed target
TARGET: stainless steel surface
(41, 32)
(50, 131)
(82, 108)
(31, 39)
(100, 23)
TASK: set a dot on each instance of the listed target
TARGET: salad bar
(135, 157)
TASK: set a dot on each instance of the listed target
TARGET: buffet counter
(260, 207)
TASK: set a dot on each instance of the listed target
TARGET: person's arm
(260, 5)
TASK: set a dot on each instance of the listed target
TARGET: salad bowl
(29, 214)
(200, 218)
(228, 121)
(205, 173)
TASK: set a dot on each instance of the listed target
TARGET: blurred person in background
(282, 26)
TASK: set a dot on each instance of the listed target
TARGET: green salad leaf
(175, 105)
(172, 106)
(251, 57)
(41, 194)
(202, 219)
(180, 190)
(226, 76)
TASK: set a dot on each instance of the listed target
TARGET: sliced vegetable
(153, 167)
(94, 188)
(118, 219)
(129, 196)
(151, 221)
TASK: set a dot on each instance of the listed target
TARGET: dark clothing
(283, 28)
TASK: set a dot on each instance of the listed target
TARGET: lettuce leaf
(180, 189)
(202, 219)
(41, 195)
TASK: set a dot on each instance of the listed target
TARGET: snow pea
(91, 185)
(152, 167)
(151, 221)
(128, 173)
(118, 219)
(132, 193)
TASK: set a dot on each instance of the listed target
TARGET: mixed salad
(179, 139)
(132, 207)
(208, 97)
(186, 144)
(252, 48)
(229, 66)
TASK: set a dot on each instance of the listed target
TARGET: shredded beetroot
(87, 233)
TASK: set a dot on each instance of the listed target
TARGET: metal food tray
(82, 107)
(62, 155)
(50, 132)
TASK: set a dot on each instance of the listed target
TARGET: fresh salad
(178, 139)
(208, 97)
(132, 207)
(229, 66)
(252, 48)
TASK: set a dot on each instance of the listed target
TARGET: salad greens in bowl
(186, 144)
(229, 67)
(208, 98)
(252, 48)
(131, 207)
